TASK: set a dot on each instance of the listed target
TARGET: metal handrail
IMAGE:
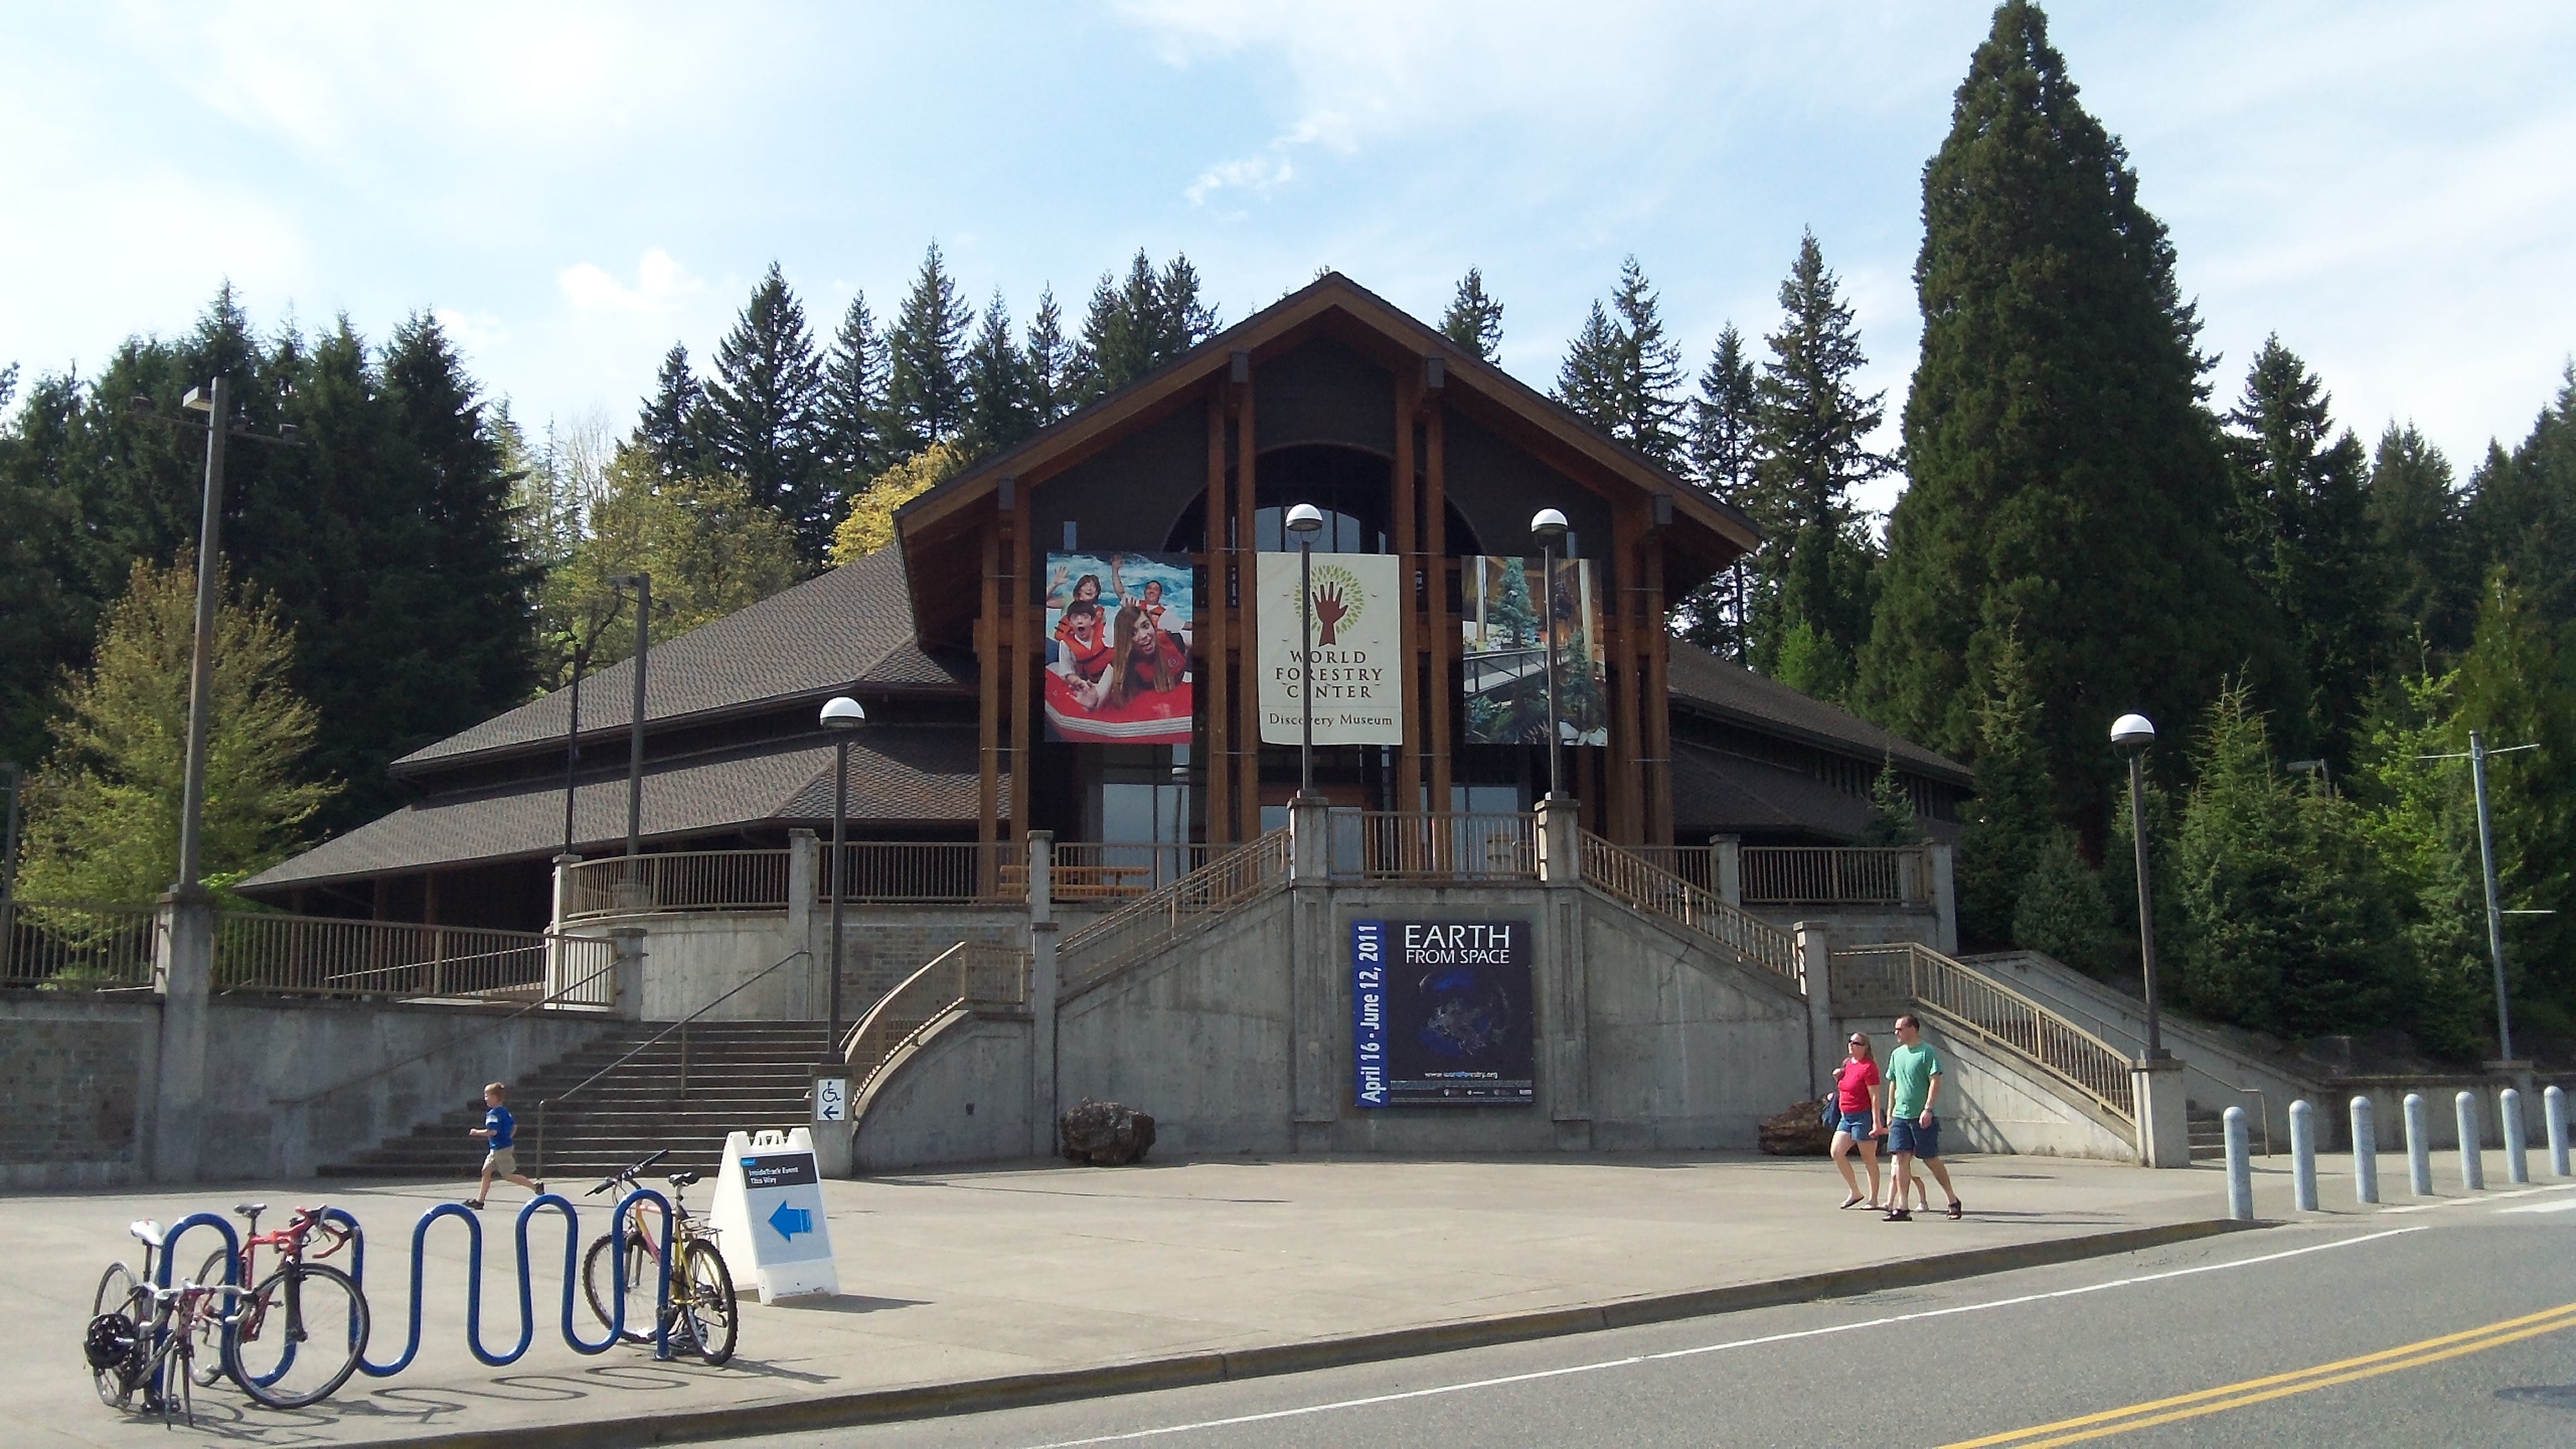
(1433, 845)
(461, 1037)
(1650, 888)
(1128, 934)
(679, 880)
(51, 944)
(537, 1154)
(1968, 1001)
(898, 1008)
(1836, 874)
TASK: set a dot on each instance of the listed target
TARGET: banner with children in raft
(1118, 648)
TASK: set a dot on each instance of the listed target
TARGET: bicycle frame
(159, 1357)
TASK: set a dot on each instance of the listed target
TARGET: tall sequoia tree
(1714, 615)
(925, 356)
(2414, 511)
(768, 383)
(2065, 477)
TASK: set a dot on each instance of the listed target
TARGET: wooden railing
(1086, 871)
(970, 973)
(1135, 930)
(1970, 1004)
(1837, 875)
(329, 956)
(1694, 863)
(1658, 892)
(1411, 845)
(76, 946)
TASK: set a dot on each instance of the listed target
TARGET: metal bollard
(2240, 1168)
(2419, 1148)
(2303, 1156)
(2365, 1153)
(2554, 1103)
(2473, 1158)
(2517, 1166)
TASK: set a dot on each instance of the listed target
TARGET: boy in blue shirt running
(498, 1131)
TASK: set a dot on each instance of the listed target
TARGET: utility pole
(201, 655)
(2495, 907)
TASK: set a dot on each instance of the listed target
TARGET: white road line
(2563, 1205)
(1633, 1359)
(2483, 1198)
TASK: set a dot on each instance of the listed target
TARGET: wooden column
(1215, 638)
(1247, 622)
(1658, 705)
(1442, 693)
(991, 677)
(1626, 589)
(1022, 659)
(1406, 499)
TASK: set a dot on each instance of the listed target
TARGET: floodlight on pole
(2132, 734)
(1306, 520)
(1548, 525)
(842, 716)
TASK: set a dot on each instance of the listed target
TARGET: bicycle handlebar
(628, 1174)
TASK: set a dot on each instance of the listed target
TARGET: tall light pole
(2131, 733)
(642, 583)
(215, 401)
(1549, 526)
(2495, 909)
(842, 717)
(1180, 818)
(1306, 520)
(572, 730)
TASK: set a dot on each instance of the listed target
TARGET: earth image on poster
(1467, 1013)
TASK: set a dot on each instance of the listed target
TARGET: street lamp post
(581, 649)
(643, 585)
(842, 716)
(2131, 733)
(215, 401)
(2495, 906)
(1306, 520)
(1550, 527)
(1180, 818)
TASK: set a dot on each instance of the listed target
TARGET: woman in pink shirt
(1861, 1094)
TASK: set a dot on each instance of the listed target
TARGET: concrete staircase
(684, 1092)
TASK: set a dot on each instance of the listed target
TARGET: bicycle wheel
(120, 1292)
(707, 1311)
(298, 1337)
(599, 1283)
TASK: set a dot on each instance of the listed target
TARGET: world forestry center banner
(1358, 662)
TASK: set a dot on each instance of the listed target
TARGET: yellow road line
(2255, 1391)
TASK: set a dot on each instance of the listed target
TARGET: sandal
(467, 1202)
(1852, 1201)
(1898, 1215)
(1954, 1209)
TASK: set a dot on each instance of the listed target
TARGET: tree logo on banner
(1339, 601)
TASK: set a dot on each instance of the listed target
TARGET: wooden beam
(1658, 705)
(990, 681)
(1020, 660)
(1247, 622)
(1623, 589)
(1213, 622)
(1406, 499)
(1439, 696)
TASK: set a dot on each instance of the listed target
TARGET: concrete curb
(878, 1406)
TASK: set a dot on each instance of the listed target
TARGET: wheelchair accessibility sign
(769, 1215)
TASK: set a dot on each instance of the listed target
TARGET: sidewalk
(954, 1278)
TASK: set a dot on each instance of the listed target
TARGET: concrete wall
(960, 1093)
(1993, 1103)
(78, 1072)
(693, 957)
(1862, 925)
(1239, 1040)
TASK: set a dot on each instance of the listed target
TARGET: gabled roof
(1703, 682)
(848, 627)
(1334, 304)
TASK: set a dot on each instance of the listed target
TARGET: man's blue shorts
(1906, 1135)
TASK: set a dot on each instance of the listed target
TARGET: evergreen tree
(47, 594)
(2300, 526)
(1891, 811)
(2061, 909)
(1714, 616)
(1050, 361)
(925, 385)
(2421, 829)
(2414, 516)
(2014, 809)
(999, 408)
(2522, 508)
(105, 826)
(675, 422)
(2055, 415)
(762, 405)
(1474, 320)
(1622, 374)
(1185, 319)
(850, 444)
(1137, 323)
(1587, 382)
(1810, 432)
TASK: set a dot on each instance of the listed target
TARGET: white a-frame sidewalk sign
(769, 1215)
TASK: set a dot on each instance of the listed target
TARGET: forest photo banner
(1504, 673)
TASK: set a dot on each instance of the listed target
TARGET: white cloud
(1257, 174)
(659, 282)
(472, 332)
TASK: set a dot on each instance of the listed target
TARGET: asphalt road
(2450, 1326)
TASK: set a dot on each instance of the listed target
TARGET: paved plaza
(961, 1278)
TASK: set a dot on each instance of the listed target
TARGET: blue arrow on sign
(788, 1221)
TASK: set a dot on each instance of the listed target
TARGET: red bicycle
(299, 1333)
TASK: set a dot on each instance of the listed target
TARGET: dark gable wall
(1497, 488)
(1128, 496)
(1323, 392)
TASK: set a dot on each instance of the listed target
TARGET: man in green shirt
(1913, 1085)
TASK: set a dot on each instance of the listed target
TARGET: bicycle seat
(148, 1230)
(681, 1179)
(250, 1209)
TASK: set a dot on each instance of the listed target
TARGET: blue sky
(573, 188)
